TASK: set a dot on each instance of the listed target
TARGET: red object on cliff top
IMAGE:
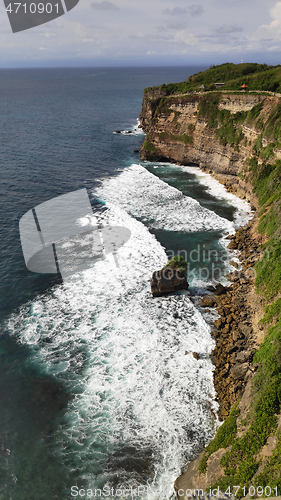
(244, 86)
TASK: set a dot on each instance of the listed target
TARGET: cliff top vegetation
(256, 76)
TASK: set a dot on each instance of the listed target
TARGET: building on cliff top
(218, 85)
(244, 87)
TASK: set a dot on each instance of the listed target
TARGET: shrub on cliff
(148, 146)
(177, 262)
(257, 76)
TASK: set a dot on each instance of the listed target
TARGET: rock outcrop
(176, 133)
(168, 280)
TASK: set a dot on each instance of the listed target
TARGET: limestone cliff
(177, 132)
(236, 137)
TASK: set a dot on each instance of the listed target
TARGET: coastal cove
(93, 369)
(235, 137)
(102, 385)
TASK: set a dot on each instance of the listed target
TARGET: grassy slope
(256, 76)
(241, 462)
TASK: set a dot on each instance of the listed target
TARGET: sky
(148, 33)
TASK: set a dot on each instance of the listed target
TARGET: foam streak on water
(243, 208)
(157, 204)
(141, 398)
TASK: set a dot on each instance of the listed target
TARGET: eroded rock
(168, 280)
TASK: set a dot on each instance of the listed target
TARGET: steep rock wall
(175, 132)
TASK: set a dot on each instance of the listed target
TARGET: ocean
(99, 390)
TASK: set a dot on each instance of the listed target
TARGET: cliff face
(176, 132)
(242, 153)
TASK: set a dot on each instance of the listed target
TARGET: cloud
(104, 5)
(272, 30)
(228, 28)
(176, 11)
(186, 37)
(196, 10)
(50, 34)
(176, 26)
(193, 10)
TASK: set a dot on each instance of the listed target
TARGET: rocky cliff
(177, 131)
(236, 138)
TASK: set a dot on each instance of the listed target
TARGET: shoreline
(235, 334)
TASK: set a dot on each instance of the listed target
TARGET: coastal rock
(220, 289)
(168, 280)
(208, 301)
(239, 371)
(243, 356)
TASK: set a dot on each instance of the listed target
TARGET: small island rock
(168, 280)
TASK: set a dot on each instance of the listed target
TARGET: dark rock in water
(232, 245)
(118, 131)
(208, 301)
(136, 150)
(210, 288)
(195, 355)
(168, 280)
(129, 132)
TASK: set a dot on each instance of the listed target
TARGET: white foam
(123, 354)
(145, 196)
(243, 209)
(135, 129)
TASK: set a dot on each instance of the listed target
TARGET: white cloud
(192, 10)
(196, 10)
(272, 30)
(131, 29)
(227, 28)
(186, 37)
(104, 5)
(50, 34)
(176, 11)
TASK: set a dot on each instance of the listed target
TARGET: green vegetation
(242, 461)
(187, 139)
(257, 76)
(273, 124)
(224, 437)
(225, 123)
(148, 146)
